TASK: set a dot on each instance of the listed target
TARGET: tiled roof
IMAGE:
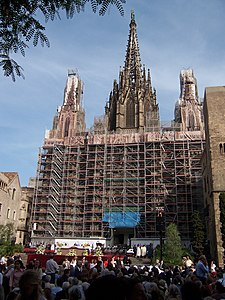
(10, 175)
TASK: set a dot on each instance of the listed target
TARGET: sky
(172, 35)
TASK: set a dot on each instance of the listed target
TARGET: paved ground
(140, 261)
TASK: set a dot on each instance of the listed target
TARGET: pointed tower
(188, 110)
(69, 118)
(132, 102)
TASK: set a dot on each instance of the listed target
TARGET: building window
(0, 208)
(3, 185)
(8, 213)
(67, 126)
(130, 114)
(13, 194)
(222, 148)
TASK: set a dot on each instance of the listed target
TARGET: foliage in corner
(6, 233)
(19, 25)
(198, 239)
(173, 250)
(7, 239)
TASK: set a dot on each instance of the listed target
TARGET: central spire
(132, 60)
(132, 103)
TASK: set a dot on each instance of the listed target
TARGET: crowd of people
(115, 278)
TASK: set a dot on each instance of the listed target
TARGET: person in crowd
(16, 275)
(55, 289)
(163, 288)
(93, 263)
(46, 282)
(138, 254)
(6, 275)
(174, 293)
(63, 294)
(150, 251)
(202, 269)
(85, 272)
(76, 272)
(3, 261)
(76, 292)
(130, 282)
(107, 287)
(213, 267)
(2, 294)
(66, 263)
(64, 277)
(126, 261)
(119, 262)
(219, 292)
(30, 264)
(184, 258)
(191, 290)
(188, 262)
(152, 290)
(29, 286)
(47, 292)
(51, 268)
(73, 261)
(136, 290)
(37, 267)
(113, 262)
(143, 251)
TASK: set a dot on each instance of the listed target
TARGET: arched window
(13, 193)
(130, 114)
(191, 122)
(67, 126)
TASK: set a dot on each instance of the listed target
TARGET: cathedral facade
(113, 182)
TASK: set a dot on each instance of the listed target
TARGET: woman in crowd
(30, 287)
(37, 267)
(16, 274)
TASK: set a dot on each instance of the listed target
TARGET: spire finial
(132, 15)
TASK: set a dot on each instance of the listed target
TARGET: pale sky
(172, 35)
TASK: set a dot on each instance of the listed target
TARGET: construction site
(129, 176)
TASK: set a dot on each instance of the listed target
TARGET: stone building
(189, 109)
(214, 167)
(15, 203)
(111, 183)
(23, 226)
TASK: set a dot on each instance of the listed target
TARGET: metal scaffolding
(110, 181)
(118, 178)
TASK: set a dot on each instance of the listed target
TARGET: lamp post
(160, 235)
(160, 229)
